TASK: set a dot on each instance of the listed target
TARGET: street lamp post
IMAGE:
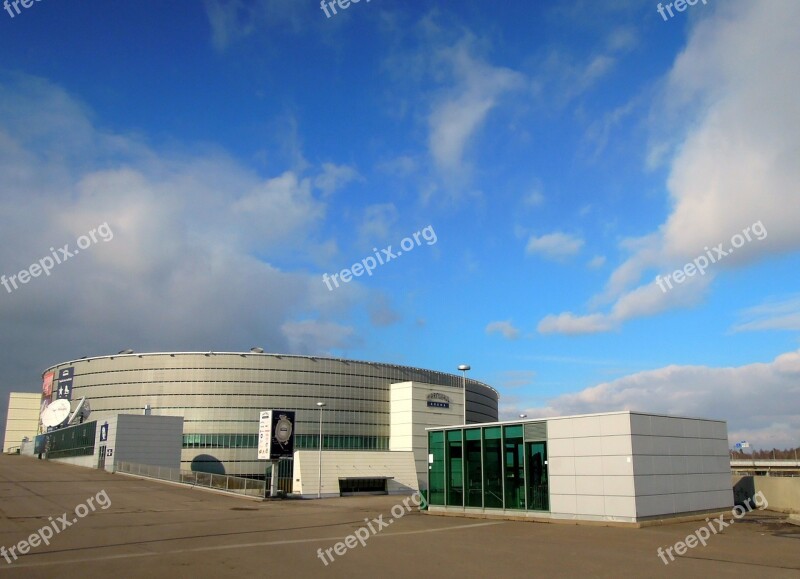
(319, 481)
(464, 368)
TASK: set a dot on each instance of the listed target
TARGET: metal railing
(223, 482)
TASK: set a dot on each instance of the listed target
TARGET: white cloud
(334, 177)
(462, 109)
(401, 166)
(735, 135)
(759, 401)
(506, 328)
(646, 300)
(235, 20)
(772, 315)
(554, 245)
(278, 207)
(569, 323)
(534, 199)
(377, 223)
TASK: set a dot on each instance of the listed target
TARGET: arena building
(371, 420)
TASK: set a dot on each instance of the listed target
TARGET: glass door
(538, 492)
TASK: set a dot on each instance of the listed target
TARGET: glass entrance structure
(500, 467)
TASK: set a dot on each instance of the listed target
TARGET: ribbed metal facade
(220, 395)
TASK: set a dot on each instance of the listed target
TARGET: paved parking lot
(150, 529)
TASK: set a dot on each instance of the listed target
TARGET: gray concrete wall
(781, 492)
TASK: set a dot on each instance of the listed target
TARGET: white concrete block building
(623, 467)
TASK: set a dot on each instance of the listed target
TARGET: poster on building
(276, 434)
(47, 384)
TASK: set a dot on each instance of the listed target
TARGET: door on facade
(538, 488)
(101, 459)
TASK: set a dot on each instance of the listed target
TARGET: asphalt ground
(152, 529)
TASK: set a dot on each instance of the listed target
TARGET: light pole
(319, 485)
(464, 368)
(523, 415)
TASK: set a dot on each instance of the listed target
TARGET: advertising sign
(276, 434)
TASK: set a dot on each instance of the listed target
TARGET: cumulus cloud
(759, 401)
(505, 328)
(732, 133)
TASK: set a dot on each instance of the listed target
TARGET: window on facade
(492, 468)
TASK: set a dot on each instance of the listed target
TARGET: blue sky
(565, 154)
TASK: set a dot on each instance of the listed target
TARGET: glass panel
(436, 469)
(538, 492)
(472, 467)
(455, 477)
(492, 468)
(514, 471)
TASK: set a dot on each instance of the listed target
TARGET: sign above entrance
(437, 400)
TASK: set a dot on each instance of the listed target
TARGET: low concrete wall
(781, 492)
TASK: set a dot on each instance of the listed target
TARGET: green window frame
(455, 468)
